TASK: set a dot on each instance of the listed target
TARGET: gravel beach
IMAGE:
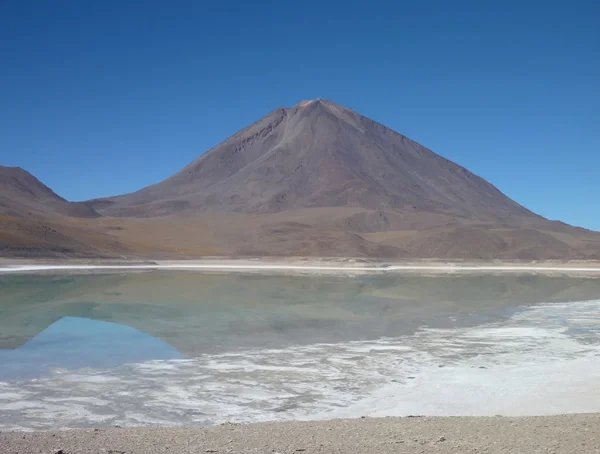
(549, 434)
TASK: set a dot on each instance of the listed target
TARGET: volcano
(316, 179)
(319, 154)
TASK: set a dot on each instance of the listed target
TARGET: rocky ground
(553, 434)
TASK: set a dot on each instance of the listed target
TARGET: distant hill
(316, 179)
(22, 194)
(36, 222)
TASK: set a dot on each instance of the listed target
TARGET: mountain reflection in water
(257, 347)
(75, 343)
(102, 320)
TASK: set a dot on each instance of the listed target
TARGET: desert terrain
(317, 180)
(550, 434)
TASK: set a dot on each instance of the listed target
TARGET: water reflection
(75, 343)
(199, 313)
(276, 347)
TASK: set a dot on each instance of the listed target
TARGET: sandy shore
(301, 265)
(551, 434)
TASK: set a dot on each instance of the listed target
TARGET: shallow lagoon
(188, 348)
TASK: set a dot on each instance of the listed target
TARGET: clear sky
(99, 98)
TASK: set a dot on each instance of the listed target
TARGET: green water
(198, 313)
(189, 348)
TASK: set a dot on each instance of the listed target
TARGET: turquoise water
(186, 348)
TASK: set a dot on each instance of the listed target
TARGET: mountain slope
(315, 180)
(23, 195)
(36, 222)
(318, 154)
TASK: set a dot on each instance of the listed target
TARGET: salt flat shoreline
(577, 433)
(302, 265)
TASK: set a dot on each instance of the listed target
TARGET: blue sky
(102, 98)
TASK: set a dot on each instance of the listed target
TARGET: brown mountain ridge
(21, 194)
(316, 179)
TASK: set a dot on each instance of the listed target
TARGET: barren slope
(316, 179)
(21, 194)
(318, 154)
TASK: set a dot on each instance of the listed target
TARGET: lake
(190, 348)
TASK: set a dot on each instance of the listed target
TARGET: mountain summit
(319, 154)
